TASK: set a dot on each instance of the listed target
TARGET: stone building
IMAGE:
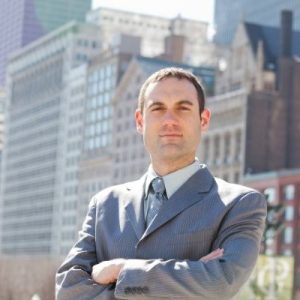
(253, 92)
(273, 109)
(189, 36)
(282, 187)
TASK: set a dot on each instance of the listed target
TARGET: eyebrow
(185, 102)
(181, 102)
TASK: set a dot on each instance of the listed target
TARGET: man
(178, 232)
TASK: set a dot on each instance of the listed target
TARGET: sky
(201, 10)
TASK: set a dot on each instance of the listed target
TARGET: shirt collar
(174, 180)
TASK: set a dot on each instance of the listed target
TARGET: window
(227, 149)
(238, 140)
(100, 100)
(289, 213)
(236, 177)
(206, 150)
(287, 252)
(226, 177)
(270, 194)
(288, 235)
(289, 192)
(94, 102)
(216, 149)
(101, 86)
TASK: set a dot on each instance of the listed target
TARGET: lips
(171, 135)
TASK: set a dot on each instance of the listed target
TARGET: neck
(163, 168)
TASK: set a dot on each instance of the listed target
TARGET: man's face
(170, 124)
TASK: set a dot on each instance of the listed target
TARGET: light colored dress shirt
(173, 181)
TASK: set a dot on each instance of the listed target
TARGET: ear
(205, 119)
(139, 121)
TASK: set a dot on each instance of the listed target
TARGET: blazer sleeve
(73, 278)
(239, 235)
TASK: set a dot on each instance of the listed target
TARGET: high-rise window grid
(99, 110)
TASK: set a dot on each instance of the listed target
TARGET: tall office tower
(23, 21)
(42, 118)
(2, 106)
(154, 31)
(229, 13)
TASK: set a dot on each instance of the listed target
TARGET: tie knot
(158, 185)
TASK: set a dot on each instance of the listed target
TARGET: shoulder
(115, 192)
(230, 192)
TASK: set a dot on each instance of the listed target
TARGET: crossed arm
(217, 275)
(107, 272)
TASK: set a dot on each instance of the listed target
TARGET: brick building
(273, 113)
(283, 187)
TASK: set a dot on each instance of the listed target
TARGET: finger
(213, 255)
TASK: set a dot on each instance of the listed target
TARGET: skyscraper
(23, 21)
(41, 117)
(228, 14)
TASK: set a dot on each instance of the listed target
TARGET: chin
(171, 153)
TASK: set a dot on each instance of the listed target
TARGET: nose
(170, 117)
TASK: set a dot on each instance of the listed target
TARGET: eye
(157, 108)
(184, 108)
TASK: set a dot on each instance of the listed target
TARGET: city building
(2, 115)
(222, 146)
(73, 132)
(22, 22)
(279, 143)
(282, 187)
(257, 88)
(191, 35)
(95, 165)
(2, 108)
(43, 116)
(229, 13)
(60, 145)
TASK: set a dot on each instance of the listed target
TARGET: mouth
(171, 135)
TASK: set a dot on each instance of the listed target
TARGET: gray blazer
(204, 214)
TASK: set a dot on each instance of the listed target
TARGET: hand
(107, 272)
(213, 255)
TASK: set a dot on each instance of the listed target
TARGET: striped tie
(156, 198)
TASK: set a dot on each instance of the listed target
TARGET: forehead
(171, 86)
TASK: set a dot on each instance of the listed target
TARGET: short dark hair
(173, 73)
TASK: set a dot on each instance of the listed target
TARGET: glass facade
(22, 22)
(30, 160)
(228, 13)
(98, 122)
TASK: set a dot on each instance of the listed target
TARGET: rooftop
(270, 36)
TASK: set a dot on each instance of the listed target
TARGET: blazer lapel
(191, 192)
(134, 205)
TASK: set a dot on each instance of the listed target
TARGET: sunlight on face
(171, 125)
